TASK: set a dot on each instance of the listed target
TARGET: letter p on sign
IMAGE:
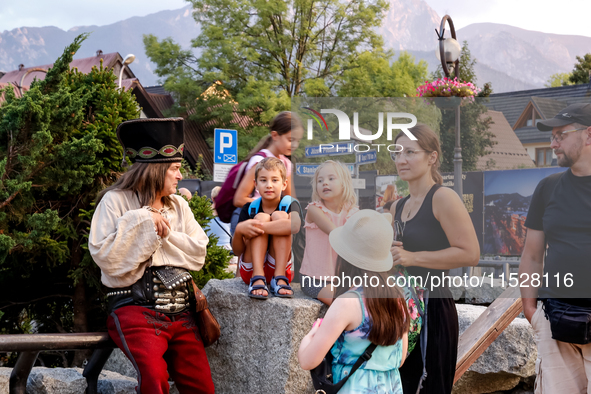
(225, 141)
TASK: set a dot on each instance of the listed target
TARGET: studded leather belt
(164, 289)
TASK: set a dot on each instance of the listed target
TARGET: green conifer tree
(58, 148)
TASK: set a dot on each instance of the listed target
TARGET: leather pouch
(209, 328)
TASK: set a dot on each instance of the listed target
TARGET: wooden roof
(509, 152)
(110, 60)
(547, 102)
(15, 88)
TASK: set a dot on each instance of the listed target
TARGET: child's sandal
(252, 288)
(275, 287)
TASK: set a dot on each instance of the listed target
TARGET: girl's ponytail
(282, 124)
(263, 144)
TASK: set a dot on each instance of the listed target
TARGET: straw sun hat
(365, 240)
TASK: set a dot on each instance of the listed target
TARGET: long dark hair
(283, 123)
(385, 303)
(429, 142)
(145, 179)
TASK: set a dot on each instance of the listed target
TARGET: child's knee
(278, 215)
(263, 217)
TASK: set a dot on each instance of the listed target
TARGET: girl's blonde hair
(348, 197)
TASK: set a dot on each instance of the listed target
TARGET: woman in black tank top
(433, 233)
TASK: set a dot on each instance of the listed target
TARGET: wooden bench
(29, 345)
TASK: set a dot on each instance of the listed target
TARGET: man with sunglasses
(555, 265)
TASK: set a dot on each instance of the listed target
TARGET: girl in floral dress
(372, 312)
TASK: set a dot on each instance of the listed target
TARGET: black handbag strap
(363, 358)
(215, 219)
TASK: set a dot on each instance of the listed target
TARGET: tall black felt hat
(154, 140)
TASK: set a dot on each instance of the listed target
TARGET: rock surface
(4, 379)
(70, 381)
(507, 361)
(114, 383)
(257, 351)
(477, 290)
(119, 363)
(56, 380)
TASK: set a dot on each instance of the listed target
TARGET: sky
(66, 14)
(571, 17)
(565, 17)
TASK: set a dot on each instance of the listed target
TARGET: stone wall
(257, 352)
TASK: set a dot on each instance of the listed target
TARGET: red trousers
(156, 343)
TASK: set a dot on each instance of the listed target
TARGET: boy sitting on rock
(263, 234)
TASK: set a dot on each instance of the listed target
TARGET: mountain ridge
(510, 57)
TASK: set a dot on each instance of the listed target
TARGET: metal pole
(458, 181)
(356, 174)
(121, 75)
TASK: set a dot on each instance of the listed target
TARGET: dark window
(543, 157)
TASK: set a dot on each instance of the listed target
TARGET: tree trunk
(80, 308)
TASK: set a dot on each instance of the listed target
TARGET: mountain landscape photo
(509, 57)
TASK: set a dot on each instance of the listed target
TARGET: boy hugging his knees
(263, 234)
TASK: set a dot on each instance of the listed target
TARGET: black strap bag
(568, 323)
(322, 374)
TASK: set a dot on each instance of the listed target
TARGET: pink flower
(412, 309)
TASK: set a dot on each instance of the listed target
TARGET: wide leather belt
(164, 289)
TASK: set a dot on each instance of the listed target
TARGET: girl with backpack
(369, 310)
(286, 131)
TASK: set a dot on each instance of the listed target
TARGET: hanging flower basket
(447, 102)
(448, 93)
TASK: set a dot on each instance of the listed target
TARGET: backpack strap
(255, 207)
(242, 170)
(285, 203)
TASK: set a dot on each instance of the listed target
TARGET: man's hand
(161, 225)
(529, 311)
(250, 228)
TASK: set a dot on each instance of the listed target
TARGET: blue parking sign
(225, 146)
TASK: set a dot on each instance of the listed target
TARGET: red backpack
(224, 202)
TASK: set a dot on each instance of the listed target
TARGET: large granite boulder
(477, 290)
(119, 363)
(70, 381)
(509, 360)
(257, 352)
(114, 383)
(4, 379)
(56, 381)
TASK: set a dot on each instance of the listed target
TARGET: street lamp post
(128, 60)
(448, 52)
